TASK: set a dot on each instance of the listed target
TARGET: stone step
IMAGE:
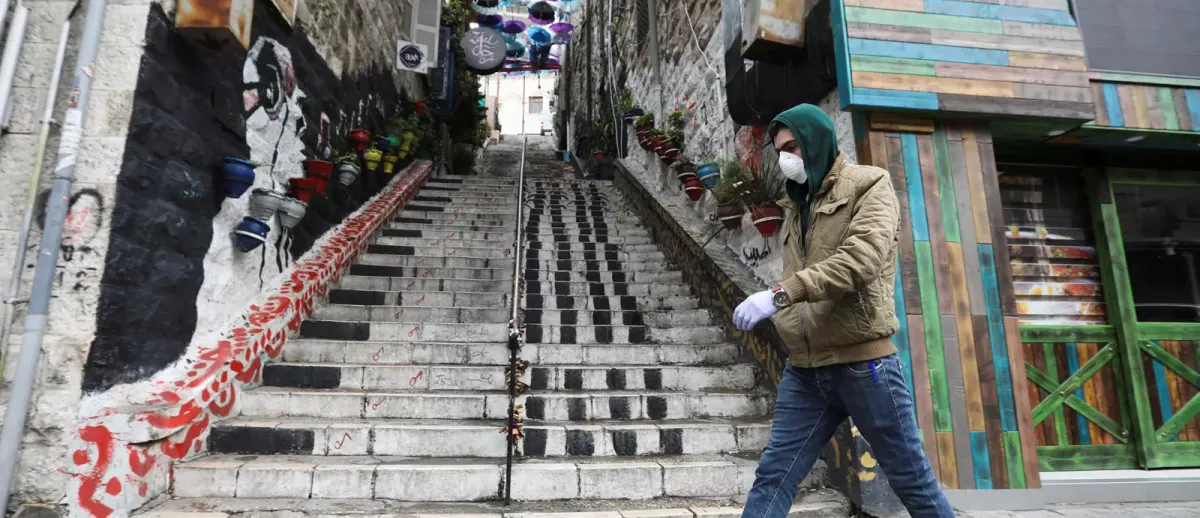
(423, 272)
(617, 334)
(653, 262)
(475, 211)
(486, 240)
(571, 285)
(437, 377)
(573, 221)
(444, 248)
(549, 406)
(476, 183)
(470, 198)
(420, 298)
(407, 331)
(449, 223)
(425, 284)
(593, 243)
(496, 315)
(496, 353)
(411, 479)
(657, 319)
(551, 277)
(550, 231)
(535, 301)
(448, 259)
(501, 314)
(441, 218)
(478, 438)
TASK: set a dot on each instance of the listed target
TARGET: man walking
(835, 310)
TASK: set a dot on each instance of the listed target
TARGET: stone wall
(147, 267)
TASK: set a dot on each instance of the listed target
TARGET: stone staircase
(392, 399)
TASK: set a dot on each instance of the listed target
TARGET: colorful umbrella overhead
(538, 36)
(487, 6)
(561, 28)
(513, 27)
(568, 6)
(541, 13)
(489, 20)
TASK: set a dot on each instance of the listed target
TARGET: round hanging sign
(484, 48)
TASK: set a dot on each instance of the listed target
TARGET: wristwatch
(781, 298)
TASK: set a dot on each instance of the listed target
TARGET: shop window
(535, 105)
(1051, 246)
(1160, 228)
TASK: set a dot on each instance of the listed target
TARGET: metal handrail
(514, 326)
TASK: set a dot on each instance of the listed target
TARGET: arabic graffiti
(753, 255)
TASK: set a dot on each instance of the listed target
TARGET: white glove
(754, 309)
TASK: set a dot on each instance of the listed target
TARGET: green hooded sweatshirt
(817, 139)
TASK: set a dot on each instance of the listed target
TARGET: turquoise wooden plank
(916, 192)
(1164, 391)
(895, 99)
(999, 343)
(983, 461)
(1000, 12)
(1112, 105)
(1085, 435)
(900, 49)
(903, 344)
(1193, 100)
(841, 52)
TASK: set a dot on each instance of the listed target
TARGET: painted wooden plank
(1012, 460)
(981, 460)
(975, 104)
(1061, 5)
(1172, 348)
(1051, 252)
(1037, 360)
(1165, 408)
(1024, 411)
(937, 232)
(898, 5)
(1101, 105)
(895, 99)
(916, 191)
(941, 85)
(876, 31)
(948, 457)
(923, 390)
(1016, 75)
(999, 346)
(1062, 438)
(1148, 80)
(968, 363)
(1047, 61)
(912, 67)
(1000, 12)
(1167, 102)
(991, 404)
(1037, 30)
(929, 21)
(1053, 93)
(1188, 356)
(841, 53)
(1108, 398)
(982, 40)
(900, 49)
(1081, 289)
(935, 351)
(958, 403)
(1155, 107)
(1193, 103)
(1059, 307)
(1072, 352)
(974, 172)
(897, 123)
(1089, 271)
(987, 158)
(1138, 95)
(966, 221)
(908, 262)
(1125, 95)
(945, 181)
(1182, 112)
(900, 339)
(1112, 105)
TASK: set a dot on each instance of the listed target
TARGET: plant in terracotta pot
(729, 208)
(674, 143)
(602, 139)
(761, 193)
(644, 123)
(684, 169)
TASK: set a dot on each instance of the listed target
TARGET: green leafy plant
(646, 120)
(757, 190)
(602, 136)
(677, 120)
(624, 101)
(732, 176)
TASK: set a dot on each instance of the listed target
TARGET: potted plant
(674, 143)
(348, 169)
(761, 194)
(389, 163)
(644, 123)
(303, 188)
(360, 137)
(372, 157)
(710, 174)
(684, 169)
(602, 140)
(291, 211)
(320, 169)
(693, 188)
(729, 208)
(250, 234)
(237, 175)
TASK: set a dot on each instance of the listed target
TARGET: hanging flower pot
(347, 173)
(672, 147)
(693, 188)
(406, 145)
(320, 170)
(600, 155)
(730, 214)
(360, 138)
(237, 175)
(684, 170)
(250, 234)
(372, 157)
(389, 163)
(303, 189)
(667, 160)
(264, 203)
(709, 174)
(383, 144)
(767, 219)
(291, 211)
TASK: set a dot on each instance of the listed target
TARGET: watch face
(781, 299)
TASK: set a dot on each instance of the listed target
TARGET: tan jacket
(842, 279)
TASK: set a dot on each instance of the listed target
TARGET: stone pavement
(1146, 510)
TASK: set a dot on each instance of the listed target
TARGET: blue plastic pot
(237, 175)
(383, 145)
(250, 234)
(709, 174)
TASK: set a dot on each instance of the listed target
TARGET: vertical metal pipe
(43, 275)
(14, 281)
(12, 50)
(514, 323)
(652, 9)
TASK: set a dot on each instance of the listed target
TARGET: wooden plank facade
(1136, 102)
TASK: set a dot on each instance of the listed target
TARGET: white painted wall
(513, 107)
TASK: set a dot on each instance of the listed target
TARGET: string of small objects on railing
(514, 428)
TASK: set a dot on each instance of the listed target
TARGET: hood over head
(817, 140)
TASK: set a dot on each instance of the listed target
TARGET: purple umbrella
(561, 27)
(489, 20)
(513, 27)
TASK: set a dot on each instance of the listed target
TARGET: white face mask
(793, 167)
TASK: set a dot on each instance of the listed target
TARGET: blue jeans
(810, 406)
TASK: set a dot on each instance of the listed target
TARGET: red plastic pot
(320, 170)
(730, 214)
(693, 188)
(667, 160)
(767, 219)
(361, 138)
(600, 155)
(303, 189)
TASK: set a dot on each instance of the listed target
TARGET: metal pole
(12, 51)
(514, 323)
(43, 275)
(14, 281)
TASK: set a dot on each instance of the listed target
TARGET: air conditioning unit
(773, 30)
